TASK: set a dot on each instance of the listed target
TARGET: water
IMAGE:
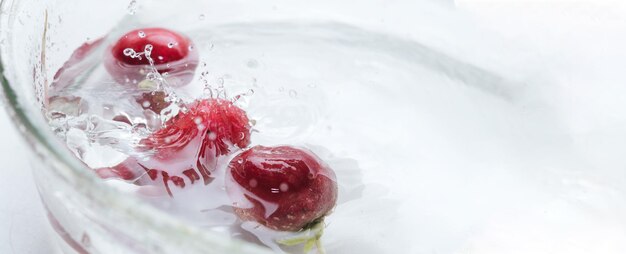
(86, 104)
(432, 155)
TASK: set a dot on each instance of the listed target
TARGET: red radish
(171, 53)
(187, 146)
(220, 122)
(284, 188)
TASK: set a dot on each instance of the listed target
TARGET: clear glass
(460, 147)
(87, 216)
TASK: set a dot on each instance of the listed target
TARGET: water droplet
(141, 34)
(252, 63)
(132, 7)
(293, 93)
(148, 49)
(201, 17)
(85, 240)
(255, 82)
(151, 76)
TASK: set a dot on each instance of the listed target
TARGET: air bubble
(201, 17)
(171, 44)
(253, 183)
(160, 58)
(141, 34)
(293, 93)
(191, 47)
(284, 187)
(146, 104)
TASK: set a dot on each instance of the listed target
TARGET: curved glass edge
(87, 185)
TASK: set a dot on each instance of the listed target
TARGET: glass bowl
(459, 147)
